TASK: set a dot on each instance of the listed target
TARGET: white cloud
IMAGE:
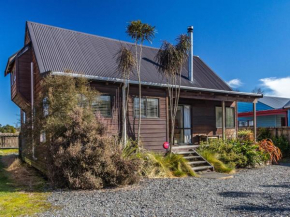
(235, 83)
(277, 86)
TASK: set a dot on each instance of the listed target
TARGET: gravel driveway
(256, 192)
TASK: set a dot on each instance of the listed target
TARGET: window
(42, 137)
(149, 107)
(102, 104)
(45, 106)
(23, 117)
(243, 123)
(283, 121)
(230, 117)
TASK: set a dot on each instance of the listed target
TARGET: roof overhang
(11, 60)
(198, 89)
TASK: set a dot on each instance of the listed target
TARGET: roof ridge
(89, 34)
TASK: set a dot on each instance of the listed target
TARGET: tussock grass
(21, 189)
(218, 165)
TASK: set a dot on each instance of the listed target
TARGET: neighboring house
(271, 112)
(205, 97)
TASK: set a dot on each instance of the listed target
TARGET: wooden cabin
(208, 106)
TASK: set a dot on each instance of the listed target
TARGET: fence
(275, 131)
(279, 131)
(9, 140)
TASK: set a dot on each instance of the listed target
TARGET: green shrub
(236, 153)
(245, 135)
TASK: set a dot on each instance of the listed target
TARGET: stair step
(191, 157)
(197, 162)
(202, 168)
(185, 152)
(184, 146)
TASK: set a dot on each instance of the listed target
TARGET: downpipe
(124, 133)
(32, 110)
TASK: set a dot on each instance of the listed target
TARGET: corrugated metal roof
(60, 49)
(275, 102)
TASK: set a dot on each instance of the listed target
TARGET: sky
(246, 42)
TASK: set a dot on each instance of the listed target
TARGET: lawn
(21, 188)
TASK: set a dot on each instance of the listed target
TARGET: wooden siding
(24, 75)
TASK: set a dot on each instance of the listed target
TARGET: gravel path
(256, 192)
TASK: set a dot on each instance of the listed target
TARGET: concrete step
(197, 162)
(191, 157)
(202, 168)
(174, 147)
(184, 152)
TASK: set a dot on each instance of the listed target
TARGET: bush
(81, 154)
(82, 159)
(245, 135)
(281, 141)
(236, 153)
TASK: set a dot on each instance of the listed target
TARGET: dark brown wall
(153, 130)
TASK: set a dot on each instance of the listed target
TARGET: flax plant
(171, 59)
(140, 32)
(126, 63)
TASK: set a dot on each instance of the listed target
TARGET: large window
(230, 117)
(102, 104)
(149, 107)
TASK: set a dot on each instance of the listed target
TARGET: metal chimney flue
(190, 55)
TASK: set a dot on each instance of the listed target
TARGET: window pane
(230, 117)
(136, 107)
(152, 108)
(45, 106)
(218, 115)
(103, 105)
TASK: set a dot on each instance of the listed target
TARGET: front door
(182, 132)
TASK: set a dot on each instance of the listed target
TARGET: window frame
(226, 117)
(111, 106)
(145, 109)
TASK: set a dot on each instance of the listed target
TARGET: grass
(21, 189)
(8, 151)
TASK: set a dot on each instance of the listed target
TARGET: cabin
(207, 107)
(271, 112)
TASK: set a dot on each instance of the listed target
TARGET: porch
(201, 120)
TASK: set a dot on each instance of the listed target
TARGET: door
(182, 132)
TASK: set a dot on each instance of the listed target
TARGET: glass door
(182, 132)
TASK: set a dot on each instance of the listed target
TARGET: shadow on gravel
(270, 203)
(280, 185)
(264, 209)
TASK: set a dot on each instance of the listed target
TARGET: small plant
(218, 165)
(274, 152)
(245, 135)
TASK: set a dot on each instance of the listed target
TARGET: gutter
(153, 84)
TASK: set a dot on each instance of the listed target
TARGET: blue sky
(246, 42)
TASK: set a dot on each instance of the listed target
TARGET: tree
(126, 63)
(7, 129)
(258, 90)
(140, 32)
(171, 60)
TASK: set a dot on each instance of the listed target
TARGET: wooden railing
(9, 140)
